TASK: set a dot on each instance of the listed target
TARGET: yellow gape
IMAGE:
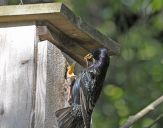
(70, 71)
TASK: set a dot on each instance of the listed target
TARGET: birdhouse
(36, 43)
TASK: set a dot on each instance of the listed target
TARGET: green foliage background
(135, 77)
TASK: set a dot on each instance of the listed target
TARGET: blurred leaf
(122, 108)
(147, 121)
(136, 76)
(157, 4)
(114, 92)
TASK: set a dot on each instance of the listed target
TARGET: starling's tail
(70, 117)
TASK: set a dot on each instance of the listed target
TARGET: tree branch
(132, 119)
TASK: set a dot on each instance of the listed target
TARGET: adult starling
(85, 93)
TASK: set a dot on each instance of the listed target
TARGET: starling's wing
(70, 117)
(83, 106)
(86, 97)
(64, 117)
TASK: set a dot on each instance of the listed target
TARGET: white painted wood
(17, 75)
(32, 77)
(50, 81)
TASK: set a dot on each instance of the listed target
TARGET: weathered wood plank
(50, 80)
(91, 38)
(36, 1)
(41, 85)
(17, 75)
(55, 80)
(66, 44)
(61, 17)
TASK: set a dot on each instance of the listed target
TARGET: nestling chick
(69, 81)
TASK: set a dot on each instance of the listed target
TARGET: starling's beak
(89, 58)
(70, 71)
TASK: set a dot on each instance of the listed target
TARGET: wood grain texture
(17, 75)
(36, 1)
(22, 105)
(62, 41)
(62, 18)
(50, 80)
(41, 85)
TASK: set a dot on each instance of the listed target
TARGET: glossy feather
(85, 93)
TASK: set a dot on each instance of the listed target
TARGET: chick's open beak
(70, 71)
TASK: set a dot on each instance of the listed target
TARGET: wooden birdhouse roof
(69, 32)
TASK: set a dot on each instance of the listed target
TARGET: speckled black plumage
(85, 93)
